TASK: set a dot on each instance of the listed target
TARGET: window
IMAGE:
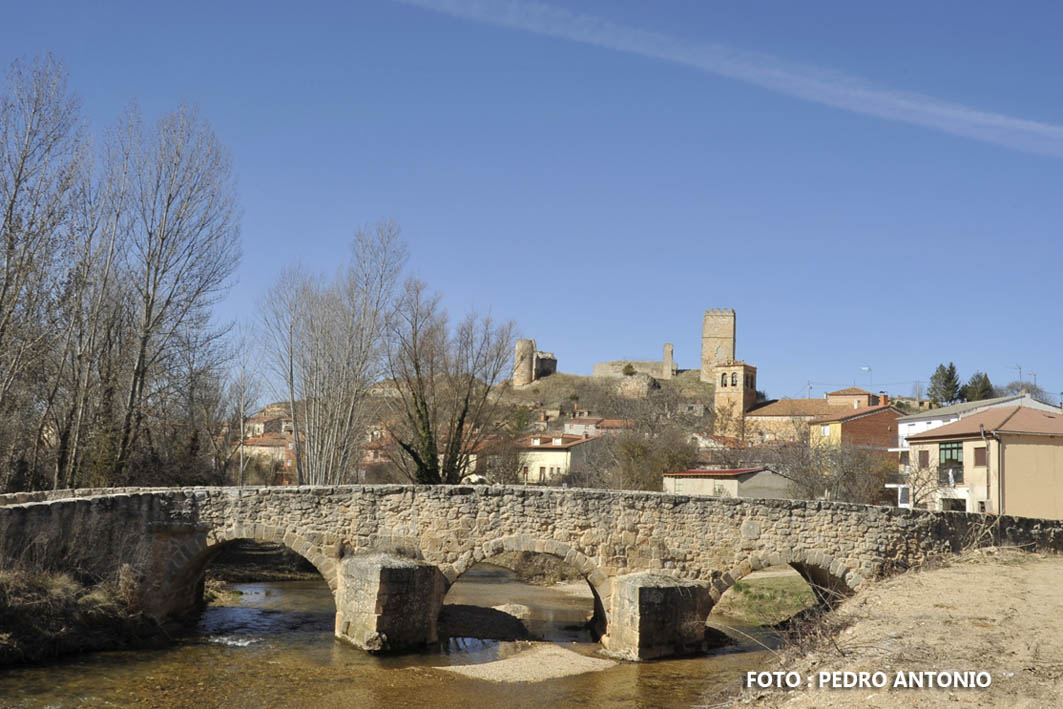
(542, 473)
(824, 430)
(723, 379)
(904, 457)
(924, 459)
(734, 379)
(950, 475)
(950, 453)
(979, 456)
(525, 472)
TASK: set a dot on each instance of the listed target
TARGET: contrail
(805, 82)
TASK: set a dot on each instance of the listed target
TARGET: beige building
(546, 457)
(789, 419)
(758, 482)
(1002, 460)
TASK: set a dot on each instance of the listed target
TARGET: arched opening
(248, 592)
(763, 599)
(520, 595)
(762, 596)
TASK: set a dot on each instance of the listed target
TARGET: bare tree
(40, 149)
(342, 353)
(112, 259)
(447, 385)
(283, 313)
(244, 392)
(99, 228)
(325, 341)
(183, 246)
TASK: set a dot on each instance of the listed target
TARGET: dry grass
(49, 614)
(993, 610)
(767, 600)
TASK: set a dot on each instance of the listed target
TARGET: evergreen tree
(944, 385)
(978, 387)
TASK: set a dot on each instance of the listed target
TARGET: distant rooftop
(1010, 419)
(851, 391)
(793, 407)
(964, 407)
(729, 473)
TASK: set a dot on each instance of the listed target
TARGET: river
(273, 647)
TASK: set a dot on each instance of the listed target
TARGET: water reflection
(273, 646)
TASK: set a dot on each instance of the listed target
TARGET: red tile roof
(267, 440)
(793, 407)
(843, 414)
(729, 473)
(849, 392)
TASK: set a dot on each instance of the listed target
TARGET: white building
(546, 457)
(923, 421)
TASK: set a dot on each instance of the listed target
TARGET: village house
(916, 423)
(545, 458)
(593, 426)
(1006, 460)
(789, 419)
(759, 482)
(873, 427)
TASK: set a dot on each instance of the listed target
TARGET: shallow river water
(274, 648)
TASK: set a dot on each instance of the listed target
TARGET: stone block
(652, 616)
(387, 603)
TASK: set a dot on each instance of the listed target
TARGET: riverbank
(44, 616)
(993, 610)
(245, 561)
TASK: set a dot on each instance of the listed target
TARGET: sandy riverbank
(541, 661)
(997, 611)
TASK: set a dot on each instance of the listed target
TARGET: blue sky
(865, 184)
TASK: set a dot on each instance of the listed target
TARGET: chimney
(883, 398)
(856, 404)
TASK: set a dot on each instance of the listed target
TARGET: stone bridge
(655, 562)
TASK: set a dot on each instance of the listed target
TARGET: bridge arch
(183, 588)
(592, 574)
(829, 578)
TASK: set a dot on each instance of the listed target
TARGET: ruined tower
(524, 363)
(668, 361)
(717, 340)
(530, 365)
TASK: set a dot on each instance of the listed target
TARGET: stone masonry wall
(170, 534)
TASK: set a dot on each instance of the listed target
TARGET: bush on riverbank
(44, 615)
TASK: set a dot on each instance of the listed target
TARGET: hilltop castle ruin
(736, 383)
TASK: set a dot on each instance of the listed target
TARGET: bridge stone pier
(655, 562)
